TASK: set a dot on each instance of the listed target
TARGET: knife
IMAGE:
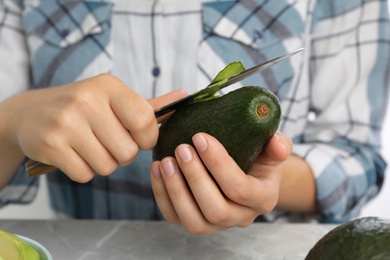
(35, 168)
(214, 89)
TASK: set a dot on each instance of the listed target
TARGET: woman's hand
(188, 195)
(85, 127)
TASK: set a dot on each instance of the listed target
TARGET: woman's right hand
(85, 127)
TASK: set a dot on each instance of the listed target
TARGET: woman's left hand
(188, 195)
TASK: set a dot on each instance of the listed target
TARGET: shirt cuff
(346, 176)
(21, 189)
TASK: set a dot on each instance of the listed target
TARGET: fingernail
(278, 135)
(184, 153)
(168, 167)
(156, 171)
(285, 142)
(199, 142)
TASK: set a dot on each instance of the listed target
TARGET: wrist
(298, 187)
(10, 153)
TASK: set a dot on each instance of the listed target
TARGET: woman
(333, 97)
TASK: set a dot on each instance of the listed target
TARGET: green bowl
(42, 251)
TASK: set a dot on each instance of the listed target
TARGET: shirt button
(65, 32)
(156, 71)
(257, 34)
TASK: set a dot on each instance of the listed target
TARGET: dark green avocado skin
(232, 119)
(365, 238)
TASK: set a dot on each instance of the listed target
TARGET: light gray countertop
(89, 239)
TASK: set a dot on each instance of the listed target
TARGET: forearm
(10, 153)
(298, 189)
(9, 161)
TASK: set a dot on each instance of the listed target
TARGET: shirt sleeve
(14, 78)
(349, 69)
(20, 190)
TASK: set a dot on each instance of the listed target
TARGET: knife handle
(35, 168)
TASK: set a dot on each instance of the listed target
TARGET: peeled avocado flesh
(13, 247)
(363, 238)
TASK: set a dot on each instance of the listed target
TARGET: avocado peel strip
(232, 69)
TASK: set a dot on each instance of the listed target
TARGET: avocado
(362, 238)
(243, 121)
(13, 247)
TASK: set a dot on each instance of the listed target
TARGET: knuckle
(81, 178)
(127, 155)
(198, 229)
(145, 119)
(144, 129)
(267, 204)
(51, 140)
(84, 178)
(109, 81)
(246, 223)
(219, 216)
(50, 146)
(102, 80)
(105, 76)
(175, 193)
(267, 207)
(195, 178)
(82, 98)
(62, 121)
(65, 117)
(107, 168)
(239, 194)
(172, 219)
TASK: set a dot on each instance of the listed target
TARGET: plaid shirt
(333, 95)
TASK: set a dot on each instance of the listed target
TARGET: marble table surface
(91, 239)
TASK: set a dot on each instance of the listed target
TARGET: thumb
(278, 149)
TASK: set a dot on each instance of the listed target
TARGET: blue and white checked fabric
(333, 95)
